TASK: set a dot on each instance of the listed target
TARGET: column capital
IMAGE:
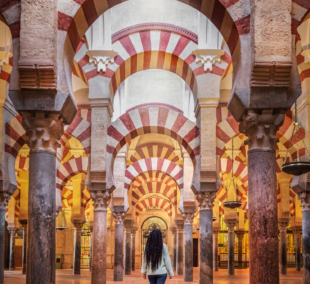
(188, 218)
(261, 128)
(283, 225)
(231, 224)
(119, 217)
(304, 197)
(180, 225)
(173, 230)
(12, 230)
(78, 226)
(128, 224)
(101, 199)
(296, 231)
(205, 103)
(240, 234)
(43, 131)
(24, 223)
(206, 200)
(4, 199)
(134, 231)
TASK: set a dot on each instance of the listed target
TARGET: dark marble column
(12, 248)
(91, 247)
(3, 204)
(127, 256)
(283, 247)
(77, 248)
(174, 240)
(99, 258)
(260, 127)
(24, 224)
(188, 246)
(231, 223)
(206, 236)
(119, 244)
(215, 250)
(133, 249)
(180, 246)
(240, 236)
(297, 239)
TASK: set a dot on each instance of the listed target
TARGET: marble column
(231, 223)
(215, 250)
(188, 246)
(91, 247)
(12, 248)
(77, 248)
(24, 224)
(283, 247)
(133, 249)
(174, 240)
(3, 204)
(127, 256)
(44, 132)
(260, 128)
(240, 235)
(119, 244)
(297, 239)
(180, 245)
(99, 259)
(206, 236)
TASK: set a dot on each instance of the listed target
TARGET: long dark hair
(154, 249)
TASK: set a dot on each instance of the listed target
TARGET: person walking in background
(156, 259)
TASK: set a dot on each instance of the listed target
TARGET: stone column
(91, 247)
(297, 238)
(77, 248)
(24, 224)
(3, 204)
(260, 128)
(12, 248)
(127, 255)
(119, 244)
(99, 259)
(206, 236)
(188, 246)
(174, 240)
(180, 245)
(231, 223)
(215, 250)
(133, 249)
(43, 132)
(240, 235)
(283, 247)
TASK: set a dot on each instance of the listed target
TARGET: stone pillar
(240, 235)
(188, 246)
(3, 204)
(260, 128)
(180, 244)
(12, 248)
(231, 223)
(283, 247)
(215, 250)
(206, 236)
(297, 238)
(77, 248)
(91, 247)
(99, 259)
(133, 249)
(127, 256)
(24, 224)
(119, 244)
(174, 240)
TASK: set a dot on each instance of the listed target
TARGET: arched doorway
(150, 224)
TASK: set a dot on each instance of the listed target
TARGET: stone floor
(221, 277)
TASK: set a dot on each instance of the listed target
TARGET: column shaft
(77, 249)
(231, 252)
(2, 238)
(24, 248)
(174, 250)
(306, 245)
(297, 254)
(215, 251)
(263, 217)
(240, 241)
(118, 254)
(91, 250)
(283, 252)
(179, 254)
(133, 250)
(127, 251)
(188, 254)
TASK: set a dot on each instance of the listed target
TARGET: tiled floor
(221, 277)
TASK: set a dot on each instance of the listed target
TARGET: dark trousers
(157, 279)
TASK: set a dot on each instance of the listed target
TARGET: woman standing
(156, 259)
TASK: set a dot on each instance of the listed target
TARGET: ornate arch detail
(154, 201)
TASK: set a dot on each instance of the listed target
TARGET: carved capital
(134, 231)
(206, 200)
(188, 218)
(304, 197)
(180, 225)
(283, 226)
(101, 199)
(4, 199)
(173, 230)
(208, 57)
(43, 130)
(261, 128)
(119, 217)
(78, 226)
(296, 231)
(128, 224)
(24, 224)
(12, 230)
(231, 224)
(240, 234)
(101, 58)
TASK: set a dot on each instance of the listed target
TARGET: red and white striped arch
(153, 164)
(161, 120)
(154, 202)
(67, 200)
(69, 169)
(154, 176)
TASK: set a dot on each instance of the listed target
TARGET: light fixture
(61, 223)
(298, 167)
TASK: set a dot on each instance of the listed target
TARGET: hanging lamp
(232, 204)
(298, 167)
(214, 218)
(61, 223)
